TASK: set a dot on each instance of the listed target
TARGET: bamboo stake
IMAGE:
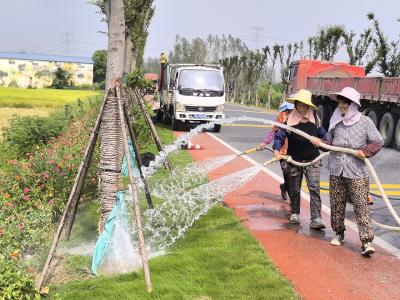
(76, 190)
(137, 155)
(153, 131)
(143, 251)
(84, 167)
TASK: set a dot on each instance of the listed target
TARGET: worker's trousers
(312, 175)
(341, 189)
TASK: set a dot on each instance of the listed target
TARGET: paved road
(245, 135)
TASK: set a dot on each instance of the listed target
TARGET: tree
(152, 65)
(210, 50)
(99, 66)
(127, 23)
(138, 14)
(358, 49)
(110, 130)
(286, 56)
(327, 42)
(116, 41)
(388, 53)
(61, 78)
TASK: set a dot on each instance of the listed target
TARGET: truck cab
(192, 94)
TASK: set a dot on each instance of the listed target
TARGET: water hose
(344, 150)
(247, 151)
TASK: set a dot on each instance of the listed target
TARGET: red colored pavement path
(316, 269)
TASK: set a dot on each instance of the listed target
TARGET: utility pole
(256, 39)
(67, 42)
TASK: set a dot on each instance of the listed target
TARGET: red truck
(380, 96)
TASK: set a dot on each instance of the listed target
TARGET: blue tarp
(104, 239)
(133, 161)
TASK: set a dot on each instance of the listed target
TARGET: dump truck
(191, 94)
(380, 96)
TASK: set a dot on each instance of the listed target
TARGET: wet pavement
(386, 162)
(316, 269)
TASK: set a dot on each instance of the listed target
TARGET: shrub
(61, 78)
(33, 193)
(24, 133)
(14, 282)
(276, 93)
(13, 83)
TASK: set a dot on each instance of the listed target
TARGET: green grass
(50, 98)
(216, 259)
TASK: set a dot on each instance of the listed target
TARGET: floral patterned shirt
(364, 136)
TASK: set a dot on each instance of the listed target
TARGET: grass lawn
(32, 98)
(216, 259)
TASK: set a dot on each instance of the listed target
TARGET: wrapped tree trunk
(110, 132)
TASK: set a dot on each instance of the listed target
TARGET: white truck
(191, 94)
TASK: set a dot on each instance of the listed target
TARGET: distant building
(35, 70)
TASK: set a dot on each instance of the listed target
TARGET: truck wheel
(324, 113)
(159, 116)
(176, 124)
(366, 111)
(387, 128)
(375, 117)
(397, 136)
(165, 118)
(217, 128)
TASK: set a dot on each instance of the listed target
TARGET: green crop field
(33, 98)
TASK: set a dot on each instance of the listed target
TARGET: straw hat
(303, 96)
(348, 93)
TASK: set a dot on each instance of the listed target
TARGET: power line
(89, 44)
(41, 44)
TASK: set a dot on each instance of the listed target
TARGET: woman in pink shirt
(283, 110)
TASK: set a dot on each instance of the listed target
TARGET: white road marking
(377, 240)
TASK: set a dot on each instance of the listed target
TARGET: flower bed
(33, 193)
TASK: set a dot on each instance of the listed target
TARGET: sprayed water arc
(185, 200)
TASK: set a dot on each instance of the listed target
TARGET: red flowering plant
(33, 193)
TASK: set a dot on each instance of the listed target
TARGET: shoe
(370, 200)
(338, 239)
(283, 191)
(367, 249)
(294, 219)
(317, 224)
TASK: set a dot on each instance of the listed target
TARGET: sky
(74, 27)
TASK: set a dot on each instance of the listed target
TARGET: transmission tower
(256, 39)
(68, 43)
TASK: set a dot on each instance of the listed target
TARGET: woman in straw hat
(302, 117)
(284, 109)
(348, 128)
